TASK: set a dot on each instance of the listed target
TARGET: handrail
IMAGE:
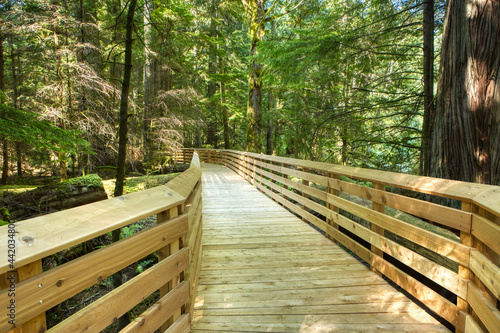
(469, 269)
(176, 238)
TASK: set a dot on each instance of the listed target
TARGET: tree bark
(466, 131)
(122, 135)
(5, 142)
(15, 97)
(428, 67)
(148, 77)
(123, 125)
(225, 118)
(269, 132)
(256, 12)
(212, 83)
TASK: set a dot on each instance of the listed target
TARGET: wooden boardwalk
(264, 270)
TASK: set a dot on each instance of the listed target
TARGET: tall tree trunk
(122, 135)
(5, 142)
(148, 77)
(60, 97)
(15, 97)
(212, 83)
(467, 121)
(123, 125)
(256, 12)
(269, 133)
(81, 56)
(428, 68)
(225, 118)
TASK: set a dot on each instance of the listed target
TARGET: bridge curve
(265, 270)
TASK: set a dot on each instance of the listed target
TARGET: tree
(467, 120)
(5, 142)
(21, 126)
(256, 29)
(428, 66)
(123, 132)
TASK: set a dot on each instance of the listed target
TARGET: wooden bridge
(307, 248)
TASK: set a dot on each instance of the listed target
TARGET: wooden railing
(27, 292)
(458, 277)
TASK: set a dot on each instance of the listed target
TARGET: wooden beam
(103, 312)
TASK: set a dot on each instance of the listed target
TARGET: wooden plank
(379, 307)
(70, 227)
(427, 239)
(164, 308)
(302, 187)
(471, 326)
(486, 231)
(181, 325)
(304, 201)
(429, 297)
(484, 308)
(262, 271)
(489, 200)
(426, 267)
(103, 312)
(322, 180)
(163, 254)
(379, 207)
(450, 217)
(441, 187)
(463, 270)
(486, 271)
(60, 283)
(38, 322)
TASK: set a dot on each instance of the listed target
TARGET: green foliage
(18, 125)
(5, 216)
(91, 180)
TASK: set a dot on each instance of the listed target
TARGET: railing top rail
(45, 235)
(485, 196)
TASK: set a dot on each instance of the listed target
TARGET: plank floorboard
(265, 270)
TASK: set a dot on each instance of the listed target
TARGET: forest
(399, 85)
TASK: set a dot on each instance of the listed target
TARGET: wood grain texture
(263, 269)
(70, 227)
(58, 284)
(104, 311)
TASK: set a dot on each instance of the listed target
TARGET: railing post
(305, 183)
(164, 253)
(331, 190)
(463, 271)
(283, 166)
(38, 323)
(378, 207)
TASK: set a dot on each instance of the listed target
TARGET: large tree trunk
(466, 131)
(256, 12)
(428, 67)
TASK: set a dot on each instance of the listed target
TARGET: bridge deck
(264, 270)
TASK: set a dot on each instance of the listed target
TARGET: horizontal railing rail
(453, 270)
(27, 292)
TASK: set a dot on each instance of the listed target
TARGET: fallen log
(48, 199)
